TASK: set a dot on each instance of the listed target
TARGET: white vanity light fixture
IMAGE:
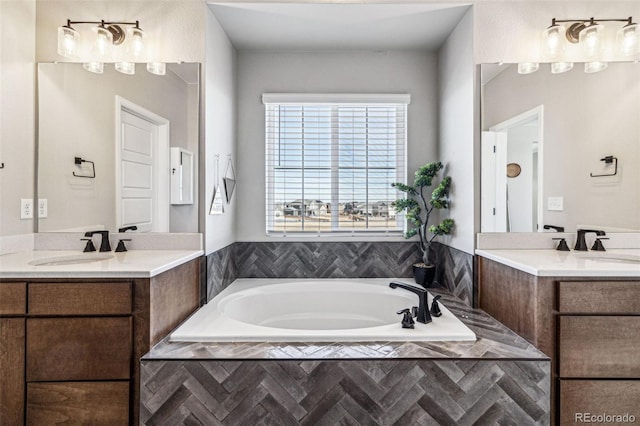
(108, 35)
(589, 35)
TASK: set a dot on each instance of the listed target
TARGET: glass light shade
(595, 66)
(157, 68)
(128, 68)
(68, 39)
(94, 67)
(591, 40)
(103, 45)
(527, 67)
(553, 43)
(628, 40)
(135, 46)
(560, 67)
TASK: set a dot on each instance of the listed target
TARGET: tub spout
(422, 315)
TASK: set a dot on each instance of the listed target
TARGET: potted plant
(419, 207)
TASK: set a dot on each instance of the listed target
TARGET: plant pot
(424, 274)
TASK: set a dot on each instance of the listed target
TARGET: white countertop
(554, 263)
(130, 264)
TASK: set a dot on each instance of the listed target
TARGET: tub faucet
(104, 244)
(422, 315)
(581, 242)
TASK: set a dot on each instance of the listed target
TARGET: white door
(493, 182)
(142, 184)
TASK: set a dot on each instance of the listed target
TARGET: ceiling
(335, 26)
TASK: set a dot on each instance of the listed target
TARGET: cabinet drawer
(79, 298)
(580, 398)
(13, 298)
(606, 297)
(87, 403)
(92, 348)
(599, 346)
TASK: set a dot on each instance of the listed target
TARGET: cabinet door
(108, 298)
(599, 346)
(582, 399)
(81, 403)
(13, 298)
(11, 371)
(95, 348)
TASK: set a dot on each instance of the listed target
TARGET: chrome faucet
(581, 242)
(104, 244)
(422, 314)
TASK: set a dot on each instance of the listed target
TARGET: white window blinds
(330, 162)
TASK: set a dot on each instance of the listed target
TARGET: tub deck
(499, 377)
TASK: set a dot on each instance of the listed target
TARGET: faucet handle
(435, 307)
(597, 244)
(89, 247)
(407, 318)
(562, 245)
(121, 247)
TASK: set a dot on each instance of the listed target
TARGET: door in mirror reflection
(512, 174)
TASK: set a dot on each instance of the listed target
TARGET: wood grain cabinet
(589, 327)
(70, 349)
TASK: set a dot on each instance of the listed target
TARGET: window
(330, 162)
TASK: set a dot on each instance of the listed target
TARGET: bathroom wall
(326, 72)
(17, 57)
(457, 131)
(220, 133)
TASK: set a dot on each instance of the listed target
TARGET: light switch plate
(555, 204)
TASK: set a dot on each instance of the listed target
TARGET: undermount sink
(71, 259)
(612, 257)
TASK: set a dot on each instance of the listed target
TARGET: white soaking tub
(315, 310)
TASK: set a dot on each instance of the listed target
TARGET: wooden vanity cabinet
(589, 327)
(70, 348)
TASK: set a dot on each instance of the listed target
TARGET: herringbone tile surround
(499, 379)
(334, 260)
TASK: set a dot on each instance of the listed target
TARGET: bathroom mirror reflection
(104, 147)
(555, 138)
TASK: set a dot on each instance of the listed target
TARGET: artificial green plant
(419, 208)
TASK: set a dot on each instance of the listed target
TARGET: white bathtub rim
(231, 330)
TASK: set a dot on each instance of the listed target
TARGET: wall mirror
(104, 147)
(560, 149)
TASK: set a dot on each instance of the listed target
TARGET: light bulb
(553, 41)
(68, 42)
(527, 67)
(128, 68)
(628, 39)
(591, 40)
(102, 46)
(94, 67)
(157, 68)
(560, 67)
(136, 42)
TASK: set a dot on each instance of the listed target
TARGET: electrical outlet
(43, 209)
(26, 208)
(555, 204)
